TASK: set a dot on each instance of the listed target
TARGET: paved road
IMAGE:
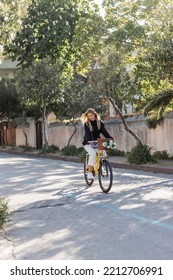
(55, 216)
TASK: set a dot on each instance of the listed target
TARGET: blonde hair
(85, 118)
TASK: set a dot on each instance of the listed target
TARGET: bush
(26, 148)
(115, 152)
(4, 214)
(161, 155)
(54, 147)
(82, 155)
(140, 154)
(49, 149)
(69, 151)
(80, 150)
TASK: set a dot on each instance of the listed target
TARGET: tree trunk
(124, 122)
(24, 132)
(45, 137)
(74, 125)
(11, 134)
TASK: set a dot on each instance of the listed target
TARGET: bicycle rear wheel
(105, 176)
(88, 181)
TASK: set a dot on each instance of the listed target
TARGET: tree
(114, 83)
(157, 105)
(59, 31)
(11, 13)
(132, 27)
(160, 39)
(114, 78)
(125, 22)
(9, 104)
(153, 62)
(143, 32)
(39, 88)
(78, 96)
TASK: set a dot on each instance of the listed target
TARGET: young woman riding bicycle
(93, 127)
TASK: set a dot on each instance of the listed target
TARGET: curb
(145, 168)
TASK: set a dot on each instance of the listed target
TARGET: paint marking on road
(138, 217)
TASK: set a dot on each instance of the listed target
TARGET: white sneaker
(90, 176)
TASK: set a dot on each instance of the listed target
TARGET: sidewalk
(162, 166)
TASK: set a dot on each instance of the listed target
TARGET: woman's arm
(87, 134)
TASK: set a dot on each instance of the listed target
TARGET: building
(8, 68)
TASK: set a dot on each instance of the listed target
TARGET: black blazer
(93, 135)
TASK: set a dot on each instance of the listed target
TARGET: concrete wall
(60, 134)
(30, 131)
(160, 138)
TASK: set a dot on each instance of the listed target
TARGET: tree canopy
(133, 44)
(61, 30)
(11, 13)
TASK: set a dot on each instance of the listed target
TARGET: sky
(99, 2)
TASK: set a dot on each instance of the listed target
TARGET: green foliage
(26, 148)
(39, 89)
(113, 80)
(156, 107)
(140, 154)
(38, 86)
(46, 31)
(124, 19)
(161, 155)
(72, 150)
(62, 30)
(9, 101)
(49, 149)
(69, 150)
(4, 212)
(82, 154)
(115, 152)
(77, 97)
(159, 101)
(154, 61)
(11, 13)
(142, 32)
(80, 150)
(153, 122)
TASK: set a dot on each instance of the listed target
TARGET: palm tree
(157, 105)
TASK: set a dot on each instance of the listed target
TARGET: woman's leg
(92, 157)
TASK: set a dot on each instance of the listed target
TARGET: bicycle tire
(105, 176)
(88, 181)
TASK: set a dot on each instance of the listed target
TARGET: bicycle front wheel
(105, 176)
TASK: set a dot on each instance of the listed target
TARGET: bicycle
(102, 167)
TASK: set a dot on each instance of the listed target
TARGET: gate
(39, 137)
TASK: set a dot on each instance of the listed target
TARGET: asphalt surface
(162, 166)
(54, 215)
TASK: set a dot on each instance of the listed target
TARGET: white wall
(31, 133)
(160, 138)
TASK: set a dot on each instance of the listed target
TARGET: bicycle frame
(97, 162)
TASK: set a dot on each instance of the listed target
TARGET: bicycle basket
(106, 143)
